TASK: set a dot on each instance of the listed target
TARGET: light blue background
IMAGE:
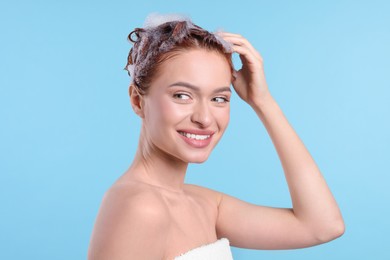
(67, 130)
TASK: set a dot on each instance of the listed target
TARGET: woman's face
(186, 109)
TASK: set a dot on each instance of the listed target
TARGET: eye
(181, 96)
(220, 100)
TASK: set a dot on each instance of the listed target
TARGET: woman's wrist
(265, 107)
(261, 101)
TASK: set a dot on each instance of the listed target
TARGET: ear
(136, 100)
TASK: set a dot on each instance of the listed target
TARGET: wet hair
(164, 36)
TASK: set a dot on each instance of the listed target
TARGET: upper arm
(258, 227)
(129, 228)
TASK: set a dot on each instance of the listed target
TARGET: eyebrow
(188, 85)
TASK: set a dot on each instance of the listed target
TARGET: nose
(202, 115)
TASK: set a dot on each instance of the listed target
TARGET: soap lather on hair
(164, 35)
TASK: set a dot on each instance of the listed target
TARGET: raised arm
(315, 217)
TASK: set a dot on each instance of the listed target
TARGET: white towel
(218, 250)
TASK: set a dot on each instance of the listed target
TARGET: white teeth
(194, 136)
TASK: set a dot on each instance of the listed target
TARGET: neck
(157, 168)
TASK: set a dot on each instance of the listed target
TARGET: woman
(181, 89)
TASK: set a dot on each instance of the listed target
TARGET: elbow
(337, 230)
(331, 231)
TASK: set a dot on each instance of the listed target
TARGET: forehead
(202, 68)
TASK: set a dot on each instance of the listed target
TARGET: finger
(246, 56)
(236, 37)
(244, 42)
(229, 33)
(239, 40)
(249, 55)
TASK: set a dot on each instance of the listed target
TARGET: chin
(197, 159)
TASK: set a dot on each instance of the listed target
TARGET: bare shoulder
(201, 189)
(210, 195)
(131, 223)
(133, 194)
(134, 199)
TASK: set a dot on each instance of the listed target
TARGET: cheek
(164, 112)
(223, 116)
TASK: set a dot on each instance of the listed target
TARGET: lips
(196, 138)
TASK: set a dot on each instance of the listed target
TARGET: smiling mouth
(194, 136)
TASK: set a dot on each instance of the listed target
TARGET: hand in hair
(250, 83)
